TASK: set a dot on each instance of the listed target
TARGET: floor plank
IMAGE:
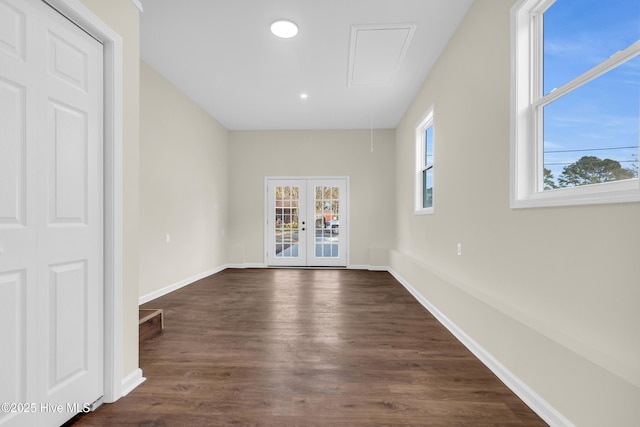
(303, 347)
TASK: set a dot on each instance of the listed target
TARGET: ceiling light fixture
(304, 96)
(284, 29)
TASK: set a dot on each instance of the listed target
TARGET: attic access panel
(377, 52)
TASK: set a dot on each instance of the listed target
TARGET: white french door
(306, 222)
(51, 216)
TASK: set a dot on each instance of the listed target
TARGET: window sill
(612, 192)
(424, 211)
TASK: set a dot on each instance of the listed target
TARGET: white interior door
(51, 216)
(307, 222)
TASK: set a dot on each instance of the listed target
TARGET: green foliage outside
(588, 170)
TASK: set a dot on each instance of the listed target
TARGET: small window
(576, 102)
(424, 165)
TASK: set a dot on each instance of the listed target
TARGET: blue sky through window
(602, 117)
(428, 149)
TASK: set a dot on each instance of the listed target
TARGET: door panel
(12, 335)
(67, 62)
(13, 38)
(12, 154)
(328, 197)
(67, 164)
(70, 225)
(286, 212)
(51, 213)
(67, 323)
(306, 222)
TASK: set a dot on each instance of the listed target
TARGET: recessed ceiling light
(284, 29)
(304, 96)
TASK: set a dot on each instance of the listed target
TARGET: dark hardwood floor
(289, 347)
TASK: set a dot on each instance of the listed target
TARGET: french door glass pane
(286, 223)
(327, 221)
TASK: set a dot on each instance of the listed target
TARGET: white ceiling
(221, 54)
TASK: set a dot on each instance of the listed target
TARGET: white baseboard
(368, 267)
(132, 381)
(246, 266)
(541, 407)
(160, 292)
(349, 267)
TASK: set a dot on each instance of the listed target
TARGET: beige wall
(183, 186)
(551, 293)
(256, 154)
(123, 18)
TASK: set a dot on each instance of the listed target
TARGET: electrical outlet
(167, 238)
(459, 249)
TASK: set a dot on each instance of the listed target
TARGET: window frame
(527, 103)
(425, 122)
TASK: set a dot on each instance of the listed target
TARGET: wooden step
(151, 323)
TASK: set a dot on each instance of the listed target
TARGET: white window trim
(526, 61)
(420, 144)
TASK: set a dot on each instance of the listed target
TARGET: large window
(576, 102)
(424, 165)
